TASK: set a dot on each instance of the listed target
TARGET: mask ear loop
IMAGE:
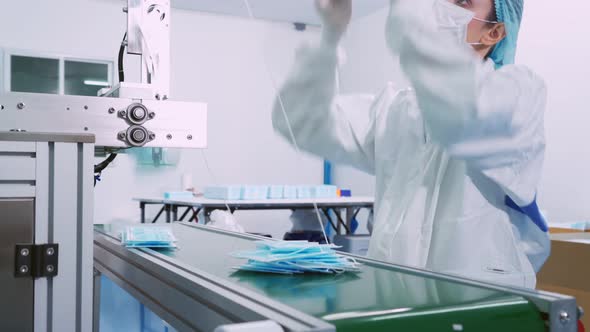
(484, 21)
(291, 134)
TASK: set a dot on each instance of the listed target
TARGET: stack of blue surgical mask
(179, 195)
(254, 192)
(295, 257)
(233, 192)
(581, 226)
(251, 192)
(275, 192)
(289, 192)
(148, 237)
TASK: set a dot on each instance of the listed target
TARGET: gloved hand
(336, 15)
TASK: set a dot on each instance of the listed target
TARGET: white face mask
(454, 20)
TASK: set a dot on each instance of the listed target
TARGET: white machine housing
(148, 35)
(47, 146)
(46, 198)
(116, 122)
(136, 114)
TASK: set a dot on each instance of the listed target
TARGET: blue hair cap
(508, 12)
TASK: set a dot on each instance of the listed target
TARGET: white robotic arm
(148, 35)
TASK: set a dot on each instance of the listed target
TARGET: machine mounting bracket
(36, 260)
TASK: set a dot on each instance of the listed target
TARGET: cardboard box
(559, 230)
(567, 271)
(576, 227)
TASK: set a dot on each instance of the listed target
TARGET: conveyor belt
(380, 298)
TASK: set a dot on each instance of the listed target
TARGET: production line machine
(47, 149)
(196, 288)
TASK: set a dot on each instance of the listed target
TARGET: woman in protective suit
(457, 155)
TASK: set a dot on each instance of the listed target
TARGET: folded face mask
(148, 237)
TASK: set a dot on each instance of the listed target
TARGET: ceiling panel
(277, 10)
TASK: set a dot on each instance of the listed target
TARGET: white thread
(213, 177)
(293, 140)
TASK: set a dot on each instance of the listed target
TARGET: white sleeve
(491, 119)
(504, 136)
(323, 123)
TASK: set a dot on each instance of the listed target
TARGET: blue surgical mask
(293, 257)
(148, 237)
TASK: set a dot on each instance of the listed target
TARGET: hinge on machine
(36, 260)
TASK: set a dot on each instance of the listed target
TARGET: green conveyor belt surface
(377, 299)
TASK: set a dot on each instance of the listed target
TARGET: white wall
(553, 43)
(218, 60)
(365, 44)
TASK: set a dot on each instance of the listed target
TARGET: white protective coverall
(447, 153)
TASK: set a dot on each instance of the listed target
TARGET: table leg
(342, 222)
(327, 214)
(167, 207)
(349, 217)
(96, 301)
(188, 209)
(175, 213)
(339, 216)
(356, 212)
(159, 214)
(207, 213)
(142, 208)
(195, 216)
